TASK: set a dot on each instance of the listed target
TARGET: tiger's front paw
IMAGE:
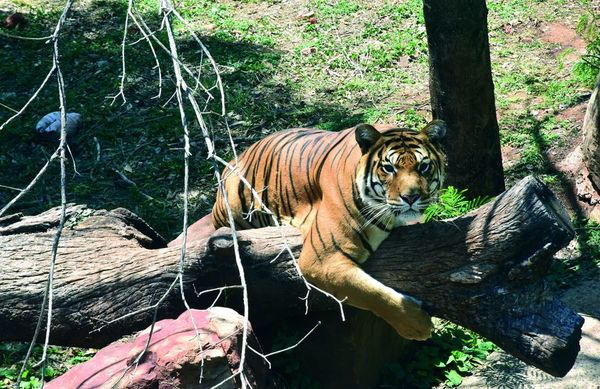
(412, 321)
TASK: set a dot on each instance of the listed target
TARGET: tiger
(345, 191)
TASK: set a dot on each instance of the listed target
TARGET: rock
(48, 127)
(176, 358)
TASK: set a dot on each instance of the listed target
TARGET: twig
(220, 290)
(266, 356)
(11, 188)
(33, 97)
(48, 292)
(98, 149)
(9, 108)
(167, 8)
(31, 183)
(26, 38)
(186, 169)
(147, 38)
(123, 61)
(168, 52)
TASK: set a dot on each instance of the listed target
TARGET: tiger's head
(400, 172)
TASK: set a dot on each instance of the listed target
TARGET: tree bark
(462, 93)
(591, 140)
(481, 270)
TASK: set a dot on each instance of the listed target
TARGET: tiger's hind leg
(343, 278)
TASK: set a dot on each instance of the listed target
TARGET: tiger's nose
(410, 199)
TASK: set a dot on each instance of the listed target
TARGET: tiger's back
(285, 169)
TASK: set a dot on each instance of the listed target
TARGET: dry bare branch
(48, 292)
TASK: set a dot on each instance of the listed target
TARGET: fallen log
(482, 270)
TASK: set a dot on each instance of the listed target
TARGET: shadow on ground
(546, 163)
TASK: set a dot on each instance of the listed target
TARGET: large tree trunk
(462, 93)
(591, 140)
(481, 270)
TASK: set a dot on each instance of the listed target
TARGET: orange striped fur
(345, 192)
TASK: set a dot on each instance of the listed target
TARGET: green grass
(534, 137)
(337, 8)
(586, 70)
(569, 270)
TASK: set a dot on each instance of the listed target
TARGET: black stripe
(365, 242)
(318, 230)
(339, 249)
(318, 257)
(308, 214)
(290, 173)
(331, 148)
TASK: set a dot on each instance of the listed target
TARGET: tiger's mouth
(400, 208)
(404, 210)
(404, 215)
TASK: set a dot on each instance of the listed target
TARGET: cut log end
(554, 331)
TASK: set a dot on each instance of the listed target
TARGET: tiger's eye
(388, 168)
(424, 167)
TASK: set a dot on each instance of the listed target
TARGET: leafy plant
(451, 353)
(60, 359)
(588, 28)
(453, 203)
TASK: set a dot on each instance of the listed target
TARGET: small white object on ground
(50, 123)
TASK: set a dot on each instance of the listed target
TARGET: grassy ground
(329, 64)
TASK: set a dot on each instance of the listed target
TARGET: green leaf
(460, 356)
(453, 202)
(49, 372)
(11, 374)
(464, 368)
(454, 379)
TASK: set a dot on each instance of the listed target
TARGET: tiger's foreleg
(343, 278)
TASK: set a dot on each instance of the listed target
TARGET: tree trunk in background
(462, 93)
(591, 140)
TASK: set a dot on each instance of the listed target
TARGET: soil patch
(563, 35)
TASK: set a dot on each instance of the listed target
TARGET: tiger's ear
(366, 136)
(435, 130)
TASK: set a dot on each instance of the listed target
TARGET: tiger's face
(400, 172)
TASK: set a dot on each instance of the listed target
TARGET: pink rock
(178, 356)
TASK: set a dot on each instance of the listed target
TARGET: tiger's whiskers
(374, 212)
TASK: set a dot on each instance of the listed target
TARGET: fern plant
(453, 203)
